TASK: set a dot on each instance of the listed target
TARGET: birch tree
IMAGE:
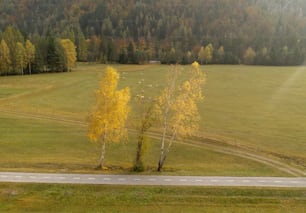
(202, 55)
(20, 58)
(70, 54)
(220, 55)
(30, 54)
(12, 37)
(5, 59)
(249, 56)
(208, 53)
(177, 109)
(109, 115)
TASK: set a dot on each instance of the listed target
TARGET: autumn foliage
(108, 117)
(177, 108)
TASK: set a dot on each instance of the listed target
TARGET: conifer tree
(54, 55)
(82, 49)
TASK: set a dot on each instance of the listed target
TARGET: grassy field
(258, 108)
(49, 146)
(74, 198)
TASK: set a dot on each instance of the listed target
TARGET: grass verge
(83, 198)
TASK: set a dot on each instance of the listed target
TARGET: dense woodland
(138, 31)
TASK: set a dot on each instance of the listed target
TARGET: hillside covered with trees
(171, 31)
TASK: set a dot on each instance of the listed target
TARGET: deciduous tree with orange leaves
(109, 115)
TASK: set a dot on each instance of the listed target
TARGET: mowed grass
(261, 108)
(258, 107)
(47, 146)
(97, 198)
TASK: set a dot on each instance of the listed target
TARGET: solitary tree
(177, 109)
(107, 120)
(5, 59)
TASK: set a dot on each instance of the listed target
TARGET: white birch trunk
(169, 146)
(161, 155)
(101, 161)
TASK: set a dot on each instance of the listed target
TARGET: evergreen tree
(41, 44)
(132, 53)
(54, 55)
(82, 49)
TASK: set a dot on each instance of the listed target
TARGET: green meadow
(93, 198)
(252, 108)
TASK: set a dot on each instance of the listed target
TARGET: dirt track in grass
(202, 143)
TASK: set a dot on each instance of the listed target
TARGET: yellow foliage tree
(20, 57)
(249, 56)
(109, 115)
(206, 54)
(5, 59)
(220, 55)
(30, 54)
(209, 50)
(177, 109)
(202, 55)
(70, 54)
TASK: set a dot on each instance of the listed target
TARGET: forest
(168, 31)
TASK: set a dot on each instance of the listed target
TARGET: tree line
(20, 56)
(170, 31)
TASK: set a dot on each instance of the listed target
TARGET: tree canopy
(171, 31)
(107, 120)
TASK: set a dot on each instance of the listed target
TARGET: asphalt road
(151, 180)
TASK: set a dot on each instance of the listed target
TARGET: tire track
(205, 143)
